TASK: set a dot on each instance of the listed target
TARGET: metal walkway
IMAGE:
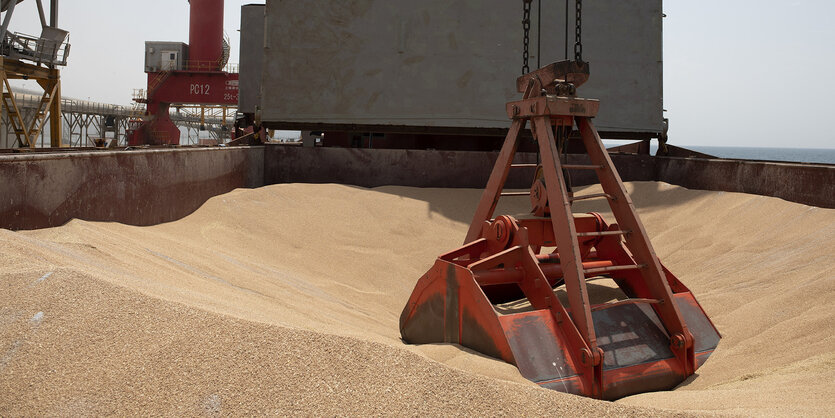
(84, 121)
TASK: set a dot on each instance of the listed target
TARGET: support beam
(8, 19)
(53, 13)
(48, 107)
(55, 130)
(41, 13)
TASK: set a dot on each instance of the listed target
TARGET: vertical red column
(205, 35)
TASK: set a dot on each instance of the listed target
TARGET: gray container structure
(438, 66)
(165, 56)
(251, 59)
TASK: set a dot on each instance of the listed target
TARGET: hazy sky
(750, 73)
(736, 72)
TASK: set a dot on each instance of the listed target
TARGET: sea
(804, 155)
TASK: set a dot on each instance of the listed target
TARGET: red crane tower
(183, 74)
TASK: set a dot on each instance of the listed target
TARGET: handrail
(209, 65)
(36, 49)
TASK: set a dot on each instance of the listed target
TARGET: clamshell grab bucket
(651, 337)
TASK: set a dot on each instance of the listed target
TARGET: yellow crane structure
(26, 57)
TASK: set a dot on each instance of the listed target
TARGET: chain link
(526, 27)
(578, 32)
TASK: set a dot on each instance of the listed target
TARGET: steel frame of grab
(501, 254)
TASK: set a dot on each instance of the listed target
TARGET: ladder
(156, 82)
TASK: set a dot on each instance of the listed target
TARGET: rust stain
(413, 60)
(465, 79)
(453, 43)
(372, 100)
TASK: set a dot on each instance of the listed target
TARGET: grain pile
(285, 299)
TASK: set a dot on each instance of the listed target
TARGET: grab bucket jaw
(449, 305)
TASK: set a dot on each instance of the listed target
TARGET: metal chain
(526, 27)
(538, 33)
(566, 29)
(578, 32)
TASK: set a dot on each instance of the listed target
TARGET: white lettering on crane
(199, 89)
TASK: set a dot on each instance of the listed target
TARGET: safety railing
(198, 65)
(26, 101)
(156, 81)
(231, 68)
(35, 49)
(139, 94)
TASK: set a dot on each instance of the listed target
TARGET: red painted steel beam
(552, 271)
(498, 177)
(197, 88)
(640, 246)
(565, 233)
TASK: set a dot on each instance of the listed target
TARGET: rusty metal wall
(811, 184)
(420, 168)
(134, 187)
(153, 186)
(436, 65)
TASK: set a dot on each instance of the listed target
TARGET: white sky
(736, 72)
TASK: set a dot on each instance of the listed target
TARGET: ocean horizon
(803, 155)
